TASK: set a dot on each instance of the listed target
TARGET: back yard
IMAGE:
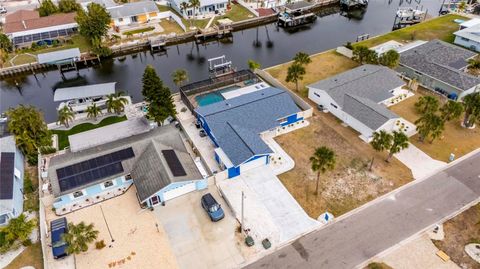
(455, 139)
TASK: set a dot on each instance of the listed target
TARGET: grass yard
(323, 65)
(459, 231)
(63, 134)
(30, 187)
(31, 256)
(170, 26)
(350, 184)
(139, 31)
(438, 28)
(237, 13)
(455, 139)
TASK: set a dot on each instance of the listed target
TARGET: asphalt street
(381, 225)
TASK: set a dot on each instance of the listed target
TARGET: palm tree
(252, 65)
(79, 236)
(302, 58)
(194, 4)
(399, 142)
(427, 124)
(427, 104)
(295, 73)
(471, 103)
(179, 76)
(451, 110)
(93, 111)
(183, 7)
(322, 160)
(65, 115)
(19, 228)
(380, 142)
(116, 102)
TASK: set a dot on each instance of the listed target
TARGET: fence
(175, 17)
(245, 5)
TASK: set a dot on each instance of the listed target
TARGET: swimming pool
(213, 97)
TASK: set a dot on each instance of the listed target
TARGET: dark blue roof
(236, 123)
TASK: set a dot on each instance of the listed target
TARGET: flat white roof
(470, 23)
(384, 47)
(58, 56)
(245, 90)
(71, 93)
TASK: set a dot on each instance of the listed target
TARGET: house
(207, 8)
(359, 97)
(468, 35)
(235, 126)
(25, 27)
(133, 13)
(440, 67)
(11, 180)
(156, 162)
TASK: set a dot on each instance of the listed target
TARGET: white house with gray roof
(440, 67)
(358, 97)
(207, 8)
(468, 35)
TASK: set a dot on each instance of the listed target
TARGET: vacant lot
(459, 231)
(455, 139)
(323, 65)
(351, 184)
(31, 256)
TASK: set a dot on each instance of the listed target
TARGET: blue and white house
(11, 180)
(235, 126)
(156, 162)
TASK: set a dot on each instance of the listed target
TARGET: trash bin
(249, 241)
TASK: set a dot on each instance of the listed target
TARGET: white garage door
(253, 164)
(179, 191)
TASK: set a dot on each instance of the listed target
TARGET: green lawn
(63, 134)
(138, 31)
(437, 28)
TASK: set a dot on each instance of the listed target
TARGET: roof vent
(24, 25)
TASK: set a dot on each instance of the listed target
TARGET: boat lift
(219, 66)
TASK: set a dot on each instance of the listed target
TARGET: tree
(79, 236)
(363, 54)
(451, 110)
(462, 5)
(427, 104)
(252, 65)
(67, 6)
(116, 102)
(19, 228)
(322, 160)
(93, 111)
(390, 59)
(47, 8)
(380, 142)
(5, 43)
(29, 129)
(179, 76)
(93, 23)
(302, 58)
(429, 125)
(65, 116)
(399, 142)
(194, 4)
(471, 103)
(295, 73)
(158, 96)
(183, 7)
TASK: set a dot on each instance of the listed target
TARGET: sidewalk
(418, 161)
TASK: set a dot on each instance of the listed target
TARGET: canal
(276, 46)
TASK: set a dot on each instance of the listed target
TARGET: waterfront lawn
(170, 26)
(323, 65)
(139, 31)
(31, 256)
(437, 28)
(455, 139)
(63, 134)
(237, 13)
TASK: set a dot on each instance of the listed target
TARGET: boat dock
(296, 14)
(408, 16)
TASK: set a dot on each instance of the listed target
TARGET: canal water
(274, 46)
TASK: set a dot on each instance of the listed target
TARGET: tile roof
(132, 9)
(373, 82)
(22, 15)
(442, 61)
(236, 123)
(38, 23)
(372, 114)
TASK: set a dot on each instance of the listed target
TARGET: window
(316, 94)
(155, 200)
(120, 19)
(108, 184)
(77, 194)
(333, 105)
(465, 39)
(3, 218)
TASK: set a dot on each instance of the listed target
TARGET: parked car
(213, 209)
(202, 133)
(58, 228)
(3, 10)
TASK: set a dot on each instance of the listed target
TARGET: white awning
(59, 56)
(71, 93)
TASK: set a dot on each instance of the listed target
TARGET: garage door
(253, 164)
(179, 191)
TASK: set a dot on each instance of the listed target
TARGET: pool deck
(225, 93)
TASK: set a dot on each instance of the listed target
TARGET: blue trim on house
(205, 127)
(291, 119)
(233, 171)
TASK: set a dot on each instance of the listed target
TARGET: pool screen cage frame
(214, 83)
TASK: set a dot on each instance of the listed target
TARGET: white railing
(175, 17)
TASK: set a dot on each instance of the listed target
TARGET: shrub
(27, 243)
(27, 184)
(100, 244)
(47, 150)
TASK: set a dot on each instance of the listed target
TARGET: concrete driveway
(419, 162)
(196, 241)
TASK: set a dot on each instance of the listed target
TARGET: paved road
(375, 228)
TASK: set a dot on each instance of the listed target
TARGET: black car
(213, 209)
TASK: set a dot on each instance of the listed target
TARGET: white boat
(410, 13)
(78, 99)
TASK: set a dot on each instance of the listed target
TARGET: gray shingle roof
(373, 82)
(236, 123)
(442, 61)
(132, 9)
(371, 114)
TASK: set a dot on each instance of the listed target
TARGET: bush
(34, 46)
(27, 184)
(349, 45)
(100, 244)
(27, 243)
(47, 150)
(32, 159)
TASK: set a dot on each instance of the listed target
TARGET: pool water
(213, 97)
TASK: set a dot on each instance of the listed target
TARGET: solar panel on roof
(7, 164)
(174, 163)
(88, 171)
